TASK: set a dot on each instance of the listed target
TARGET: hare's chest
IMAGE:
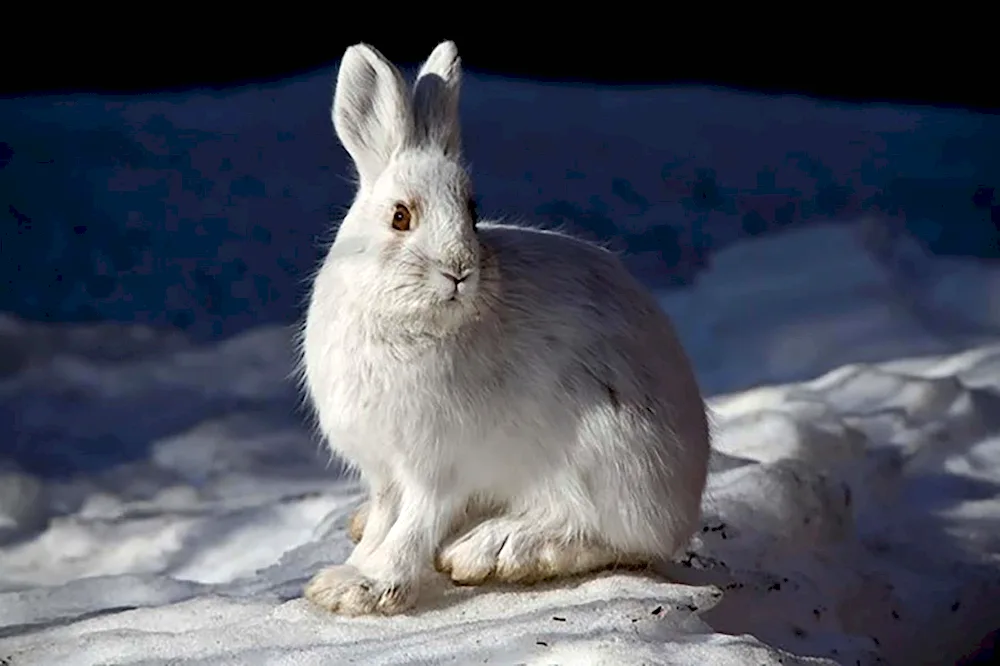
(366, 393)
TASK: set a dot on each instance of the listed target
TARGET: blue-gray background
(208, 210)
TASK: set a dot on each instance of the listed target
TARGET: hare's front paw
(345, 590)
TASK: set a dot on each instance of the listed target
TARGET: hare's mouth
(454, 288)
(456, 300)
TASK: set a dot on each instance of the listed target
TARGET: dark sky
(181, 51)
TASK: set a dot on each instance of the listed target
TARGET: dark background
(154, 54)
(53, 212)
(857, 62)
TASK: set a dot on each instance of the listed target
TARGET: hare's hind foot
(518, 550)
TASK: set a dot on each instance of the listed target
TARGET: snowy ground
(171, 504)
(161, 501)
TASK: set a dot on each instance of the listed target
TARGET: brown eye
(401, 218)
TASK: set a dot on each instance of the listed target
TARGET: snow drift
(173, 504)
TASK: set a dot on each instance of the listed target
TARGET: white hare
(517, 403)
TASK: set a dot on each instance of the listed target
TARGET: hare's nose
(458, 278)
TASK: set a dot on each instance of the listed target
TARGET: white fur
(538, 420)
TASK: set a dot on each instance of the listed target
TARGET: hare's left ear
(435, 99)
(371, 112)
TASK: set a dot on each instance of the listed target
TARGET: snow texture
(174, 505)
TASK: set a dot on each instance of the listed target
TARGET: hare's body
(531, 411)
(533, 417)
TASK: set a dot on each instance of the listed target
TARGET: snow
(162, 500)
(859, 506)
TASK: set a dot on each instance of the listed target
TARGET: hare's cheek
(390, 248)
(469, 286)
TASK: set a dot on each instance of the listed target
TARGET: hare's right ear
(371, 110)
(435, 99)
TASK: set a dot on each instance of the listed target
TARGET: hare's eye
(401, 218)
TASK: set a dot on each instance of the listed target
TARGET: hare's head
(412, 226)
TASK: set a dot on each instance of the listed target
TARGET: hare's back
(551, 274)
(572, 307)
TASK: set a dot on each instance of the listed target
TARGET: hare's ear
(435, 99)
(371, 112)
